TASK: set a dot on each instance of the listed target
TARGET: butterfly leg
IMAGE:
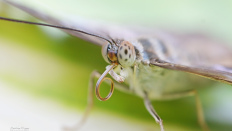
(200, 114)
(90, 103)
(76, 127)
(152, 111)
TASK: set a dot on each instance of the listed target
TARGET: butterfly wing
(214, 74)
(94, 27)
(198, 55)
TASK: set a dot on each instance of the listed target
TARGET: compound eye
(104, 52)
(126, 54)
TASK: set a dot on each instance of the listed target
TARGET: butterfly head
(123, 54)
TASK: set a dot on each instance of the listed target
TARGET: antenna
(55, 26)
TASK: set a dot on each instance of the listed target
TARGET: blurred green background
(47, 64)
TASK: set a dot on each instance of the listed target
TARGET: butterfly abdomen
(162, 83)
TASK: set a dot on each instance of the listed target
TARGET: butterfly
(154, 65)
